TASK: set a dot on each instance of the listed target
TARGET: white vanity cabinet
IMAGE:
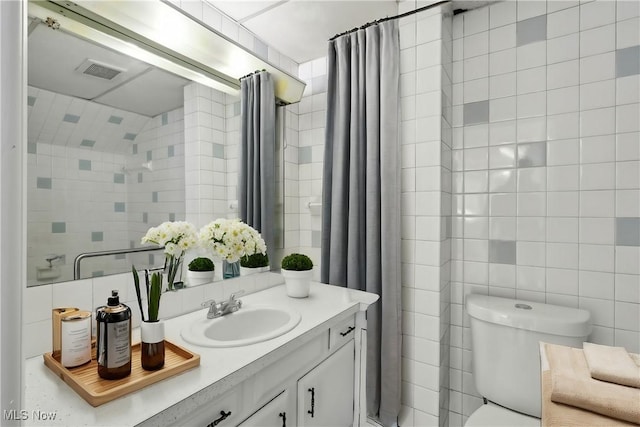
(325, 394)
(311, 386)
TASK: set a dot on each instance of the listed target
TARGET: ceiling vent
(99, 69)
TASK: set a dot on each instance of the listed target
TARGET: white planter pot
(246, 271)
(195, 278)
(297, 282)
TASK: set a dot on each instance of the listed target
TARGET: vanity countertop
(170, 400)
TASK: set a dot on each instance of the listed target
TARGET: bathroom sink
(248, 325)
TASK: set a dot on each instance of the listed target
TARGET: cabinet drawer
(342, 333)
(221, 412)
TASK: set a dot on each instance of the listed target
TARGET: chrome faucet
(219, 309)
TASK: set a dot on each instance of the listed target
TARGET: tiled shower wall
(85, 183)
(155, 195)
(306, 154)
(425, 90)
(546, 154)
(205, 151)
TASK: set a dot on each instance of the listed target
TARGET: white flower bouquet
(231, 239)
(177, 237)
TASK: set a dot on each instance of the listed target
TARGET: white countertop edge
(220, 370)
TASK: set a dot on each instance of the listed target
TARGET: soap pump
(114, 339)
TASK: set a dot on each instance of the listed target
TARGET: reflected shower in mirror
(105, 155)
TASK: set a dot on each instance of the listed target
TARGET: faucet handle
(208, 303)
(236, 294)
(214, 310)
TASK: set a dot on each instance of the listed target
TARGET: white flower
(231, 239)
(177, 237)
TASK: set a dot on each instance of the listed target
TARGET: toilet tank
(504, 337)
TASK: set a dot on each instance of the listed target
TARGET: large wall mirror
(106, 153)
(104, 130)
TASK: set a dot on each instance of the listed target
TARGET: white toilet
(506, 358)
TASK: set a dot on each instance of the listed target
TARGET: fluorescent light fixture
(160, 35)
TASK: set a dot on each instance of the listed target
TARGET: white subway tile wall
(211, 140)
(305, 125)
(560, 86)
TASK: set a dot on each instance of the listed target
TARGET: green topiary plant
(201, 264)
(297, 262)
(256, 260)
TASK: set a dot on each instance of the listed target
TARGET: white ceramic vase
(152, 332)
(152, 345)
(246, 271)
(297, 282)
(195, 278)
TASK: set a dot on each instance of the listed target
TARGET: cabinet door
(325, 394)
(276, 413)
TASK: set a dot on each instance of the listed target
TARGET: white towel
(612, 364)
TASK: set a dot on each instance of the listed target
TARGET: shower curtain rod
(279, 102)
(388, 18)
(251, 74)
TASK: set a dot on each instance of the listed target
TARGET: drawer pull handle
(223, 416)
(348, 331)
(313, 402)
(283, 415)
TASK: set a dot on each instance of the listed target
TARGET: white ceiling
(301, 28)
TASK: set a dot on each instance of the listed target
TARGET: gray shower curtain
(361, 196)
(256, 172)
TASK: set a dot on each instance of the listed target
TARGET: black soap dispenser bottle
(113, 353)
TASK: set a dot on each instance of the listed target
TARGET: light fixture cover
(181, 44)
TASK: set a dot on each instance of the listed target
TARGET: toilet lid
(491, 415)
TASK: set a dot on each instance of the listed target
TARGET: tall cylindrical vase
(152, 347)
(173, 270)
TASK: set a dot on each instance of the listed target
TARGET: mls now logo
(23, 415)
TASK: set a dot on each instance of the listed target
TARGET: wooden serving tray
(96, 391)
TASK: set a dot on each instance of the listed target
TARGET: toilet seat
(491, 415)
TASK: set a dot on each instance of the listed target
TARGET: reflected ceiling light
(160, 35)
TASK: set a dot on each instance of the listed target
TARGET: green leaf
(136, 282)
(155, 292)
